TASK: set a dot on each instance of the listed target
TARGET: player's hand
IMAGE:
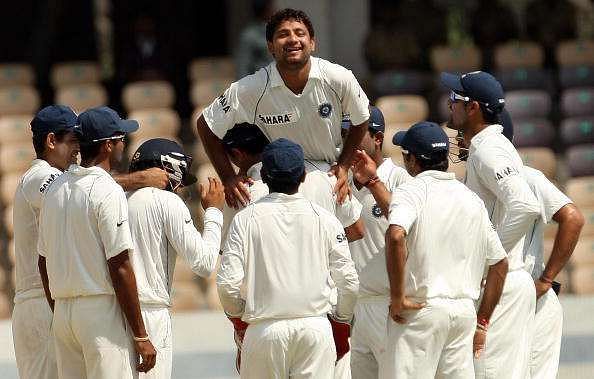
(147, 355)
(478, 343)
(154, 177)
(214, 195)
(236, 191)
(342, 188)
(541, 287)
(364, 168)
(396, 309)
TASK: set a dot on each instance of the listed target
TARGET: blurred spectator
(143, 59)
(252, 50)
(549, 22)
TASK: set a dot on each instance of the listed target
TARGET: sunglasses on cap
(119, 137)
(455, 97)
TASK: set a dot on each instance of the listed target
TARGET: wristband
(482, 324)
(141, 339)
(545, 280)
(371, 181)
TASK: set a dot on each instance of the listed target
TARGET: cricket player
(56, 146)
(435, 266)
(298, 97)
(278, 259)
(162, 228)
(495, 172)
(369, 331)
(84, 246)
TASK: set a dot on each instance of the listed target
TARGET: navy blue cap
(376, 119)
(102, 123)
(282, 160)
(508, 126)
(422, 139)
(54, 118)
(478, 86)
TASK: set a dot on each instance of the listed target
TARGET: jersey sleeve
(231, 273)
(355, 104)
(200, 251)
(34, 188)
(112, 221)
(406, 205)
(228, 109)
(501, 176)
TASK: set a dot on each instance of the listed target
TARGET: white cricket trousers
(157, 322)
(546, 342)
(509, 338)
(296, 348)
(368, 340)
(92, 339)
(33, 340)
(436, 341)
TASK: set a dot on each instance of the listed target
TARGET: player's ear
(378, 139)
(51, 140)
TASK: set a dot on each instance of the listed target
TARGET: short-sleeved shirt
(495, 172)
(449, 237)
(369, 252)
(312, 119)
(551, 200)
(83, 223)
(27, 202)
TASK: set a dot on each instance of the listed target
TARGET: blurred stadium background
(162, 62)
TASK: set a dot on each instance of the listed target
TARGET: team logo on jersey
(376, 210)
(277, 119)
(325, 110)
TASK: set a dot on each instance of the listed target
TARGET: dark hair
(90, 150)
(489, 117)
(282, 186)
(245, 137)
(437, 161)
(39, 141)
(287, 14)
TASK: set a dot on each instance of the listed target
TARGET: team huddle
(333, 261)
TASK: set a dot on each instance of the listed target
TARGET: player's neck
(103, 163)
(473, 130)
(295, 78)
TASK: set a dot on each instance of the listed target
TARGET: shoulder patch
(504, 172)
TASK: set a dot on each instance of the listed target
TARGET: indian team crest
(376, 210)
(325, 110)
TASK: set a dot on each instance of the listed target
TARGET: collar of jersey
(480, 136)
(281, 197)
(75, 169)
(277, 81)
(254, 171)
(437, 175)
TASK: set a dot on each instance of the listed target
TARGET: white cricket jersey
(83, 222)
(449, 237)
(162, 228)
(318, 187)
(312, 119)
(27, 202)
(279, 260)
(369, 252)
(551, 200)
(495, 172)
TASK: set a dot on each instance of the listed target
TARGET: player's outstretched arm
(570, 221)
(124, 285)
(341, 168)
(152, 177)
(45, 281)
(365, 172)
(236, 192)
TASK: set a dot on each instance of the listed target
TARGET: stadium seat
(16, 74)
(525, 78)
(577, 130)
(575, 53)
(72, 73)
(8, 185)
(578, 102)
(81, 97)
(581, 191)
(584, 252)
(204, 92)
(16, 157)
(540, 158)
(400, 82)
(518, 54)
(211, 68)
(582, 280)
(163, 122)
(455, 59)
(18, 100)
(528, 103)
(580, 160)
(15, 129)
(148, 94)
(406, 109)
(576, 76)
(536, 132)
(195, 114)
